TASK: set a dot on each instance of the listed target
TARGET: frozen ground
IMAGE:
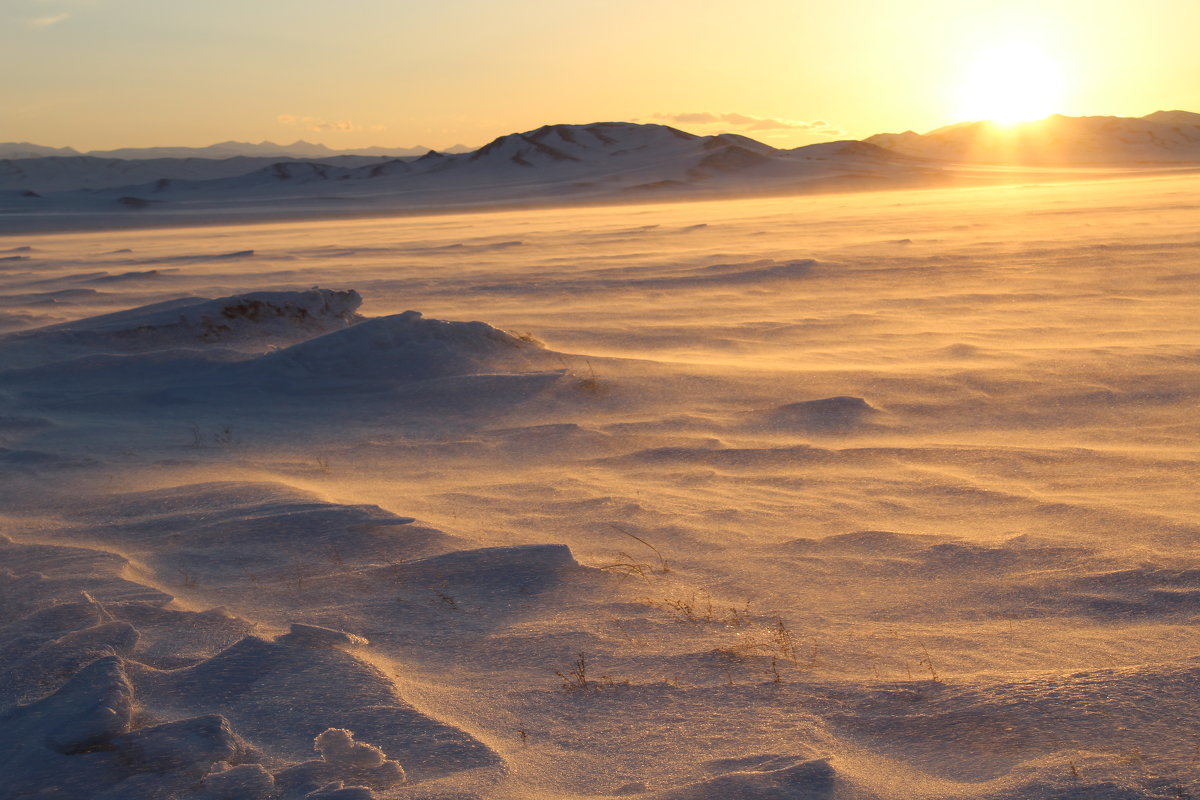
(859, 496)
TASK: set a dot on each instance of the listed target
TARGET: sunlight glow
(1011, 82)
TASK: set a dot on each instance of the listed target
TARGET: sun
(1011, 82)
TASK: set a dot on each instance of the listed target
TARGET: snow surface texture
(847, 497)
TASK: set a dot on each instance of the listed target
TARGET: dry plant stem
(927, 662)
(628, 567)
(662, 562)
(575, 679)
(783, 640)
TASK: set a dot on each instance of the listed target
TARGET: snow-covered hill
(1164, 136)
(600, 161)
(27, 150)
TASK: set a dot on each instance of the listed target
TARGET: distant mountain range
(298, 149)
(555, 160)
(1161, 137)
(599, 162)
(65, 173)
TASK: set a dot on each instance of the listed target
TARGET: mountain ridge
(577, 163)
(944, 142)
(1159, 137)
(595, 162)
(219, 150)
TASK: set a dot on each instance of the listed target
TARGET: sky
(97, 74)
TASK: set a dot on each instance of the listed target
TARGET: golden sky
(351, 73)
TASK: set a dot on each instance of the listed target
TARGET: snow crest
(249, 323)
(405, 347)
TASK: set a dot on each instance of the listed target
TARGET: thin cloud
(318, 124)
(46, 22)
(748, 123)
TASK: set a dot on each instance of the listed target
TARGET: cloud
(46, 22)
(748, 123)
(318, 124)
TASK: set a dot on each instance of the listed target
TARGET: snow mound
(337, 790)
(827, 415)
(987, 723)
(259, 316)
(728, 457)
(214, 703)
(342, 760)
(185, 744)
(77, 743)
(35, 576)
(315, 636)
(95, 704)
(1146, 590)
(43, 743)
(945, 556)
(404, 347)
(267, 530)
(249, 350)
(491, 571)
(797, 780)
(281, 698)
(251, 323)
(869, 542)
(34, 659)
(243, 782)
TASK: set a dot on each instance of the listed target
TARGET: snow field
(861, 496)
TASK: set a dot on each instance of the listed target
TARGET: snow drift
(404, 347)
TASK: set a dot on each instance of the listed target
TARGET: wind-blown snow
(402, 347)
(876, 495)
